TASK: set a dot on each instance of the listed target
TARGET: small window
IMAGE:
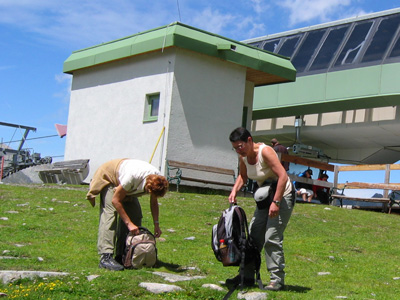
(151, 108)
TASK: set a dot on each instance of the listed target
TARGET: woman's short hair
(156, 185)
(240, 134)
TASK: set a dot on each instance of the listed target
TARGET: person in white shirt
(119, 183)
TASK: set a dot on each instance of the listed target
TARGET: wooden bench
(177, 166)
(70, 172)
(387, 202)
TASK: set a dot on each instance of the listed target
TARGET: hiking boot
(249, 282)
(108, 262)
(274, 286)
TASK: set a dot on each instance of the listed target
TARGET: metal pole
(2, 167)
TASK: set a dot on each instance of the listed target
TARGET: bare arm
(117, 199)
(240, 181)
(155, 214)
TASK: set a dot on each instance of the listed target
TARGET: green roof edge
(182, 36)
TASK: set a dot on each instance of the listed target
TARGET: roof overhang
(262, 67)
(328, 106)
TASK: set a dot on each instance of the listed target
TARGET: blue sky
(37, 36)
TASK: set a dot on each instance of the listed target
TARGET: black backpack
(232, 244)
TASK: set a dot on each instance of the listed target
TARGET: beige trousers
(112, 231)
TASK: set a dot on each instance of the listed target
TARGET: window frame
(148, 107)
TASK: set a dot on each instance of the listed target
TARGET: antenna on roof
(179, 11)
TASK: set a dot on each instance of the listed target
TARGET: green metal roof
(262, 66)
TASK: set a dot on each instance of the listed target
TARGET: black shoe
(235, 281)
(108, 262)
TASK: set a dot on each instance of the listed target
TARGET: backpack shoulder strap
(246, 236)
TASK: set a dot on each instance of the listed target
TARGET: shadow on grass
(297, 289)
(169, 266)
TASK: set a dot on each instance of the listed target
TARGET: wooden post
(386, 192)
(336, 176)
(387, 180)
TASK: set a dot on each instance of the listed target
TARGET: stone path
(175, 278)
(7, 276)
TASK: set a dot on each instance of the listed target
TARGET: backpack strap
(232, 289)
(245, 235)
(245, 239)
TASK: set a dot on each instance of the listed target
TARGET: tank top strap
(260, 157)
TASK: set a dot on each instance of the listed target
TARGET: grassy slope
(359, 249)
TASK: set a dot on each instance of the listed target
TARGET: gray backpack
(140, 250)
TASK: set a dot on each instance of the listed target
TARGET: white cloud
(307, 10)
(259, 6)
(64, 81)
(83, 23)
(76, 24)
(250, 28)
(212, 20)
(236, 26)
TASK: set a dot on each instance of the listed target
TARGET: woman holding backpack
(119, 183)
(275, 201)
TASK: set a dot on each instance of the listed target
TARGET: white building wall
(107, 108)
(207, 104)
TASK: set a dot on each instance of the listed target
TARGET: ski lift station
(175, 93)
(345, 101)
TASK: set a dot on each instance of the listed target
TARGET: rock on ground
(175, 278)
(8, 276)
(158, 288)
(213, 287)
(252, 296)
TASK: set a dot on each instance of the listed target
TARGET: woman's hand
(133, 229)
(273, 210)
(157, 230)
(232, 197)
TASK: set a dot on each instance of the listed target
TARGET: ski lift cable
(36, 138)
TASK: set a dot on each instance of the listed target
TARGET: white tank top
(261, 172)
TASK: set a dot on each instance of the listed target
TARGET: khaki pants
(112, 231)
(267, 233)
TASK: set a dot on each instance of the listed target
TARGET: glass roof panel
(382, 38)
(257, 44)
(307, 49)
(354, 44)
(271, 45)
(289, 45)
(396, 49)
(329, 48)
(343, 45)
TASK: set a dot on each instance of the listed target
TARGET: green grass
(359, 249)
